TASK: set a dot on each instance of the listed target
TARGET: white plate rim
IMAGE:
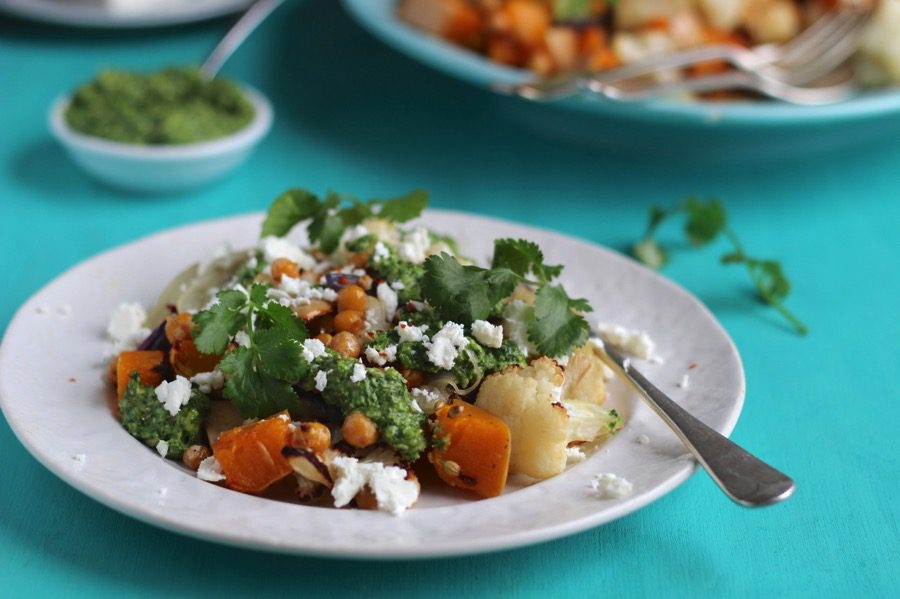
(149, 509)
(85, 15)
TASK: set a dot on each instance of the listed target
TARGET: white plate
(87, 13)
(52, 394)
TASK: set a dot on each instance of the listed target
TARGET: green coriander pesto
(169, 107)
(381, 395)
(145, 418)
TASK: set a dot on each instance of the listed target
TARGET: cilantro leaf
(463, 294)
(355, 214)
(523, 257)
(556, 327)
(571, 10)
(254, 394)
(705, 220)
(403, 208)
(274, 315)
(218, 324)
(280, 356)
(288, 209)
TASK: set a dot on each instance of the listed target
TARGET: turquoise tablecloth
(354, 116)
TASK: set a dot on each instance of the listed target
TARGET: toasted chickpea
(414, 378)
(321, 324)
(325, 338)
(365, 282)
(346, 344)
(313, 436)
(352, 297)
(282, 267)
(350, 320)
(195, 454)
(359, 430)
(178, 327)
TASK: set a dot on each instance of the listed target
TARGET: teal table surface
(355, 116)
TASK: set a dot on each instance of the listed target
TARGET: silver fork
(818, 50)
(743, 477)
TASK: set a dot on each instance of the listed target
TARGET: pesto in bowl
(174, 106)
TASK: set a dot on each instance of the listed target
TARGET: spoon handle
(244, 26)
(743, 477)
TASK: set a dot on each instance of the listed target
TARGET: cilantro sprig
(705, 222)
(329, 217)
(260, 375)
(468, 293)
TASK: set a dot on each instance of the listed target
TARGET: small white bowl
(161, 168)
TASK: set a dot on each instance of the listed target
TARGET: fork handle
(743, 477)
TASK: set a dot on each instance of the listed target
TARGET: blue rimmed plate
(687, 129)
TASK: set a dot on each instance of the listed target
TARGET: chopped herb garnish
(329, 218)
(260, 375)
(705, 221)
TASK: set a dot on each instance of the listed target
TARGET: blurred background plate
(112, 13)
(682, 130)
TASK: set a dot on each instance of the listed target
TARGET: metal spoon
(743, 477)
(244, 26)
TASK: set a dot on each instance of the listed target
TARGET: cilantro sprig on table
(260, 375)
(705, 222)
(331, 216)
(465, 294)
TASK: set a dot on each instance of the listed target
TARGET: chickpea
(359, 430)
(193, 455)
(282, 267)
(414, 378)
(321, 324)
(313, 436)
(346, 344)
(325, 338)
(365, 282)
(178, 327)
(352, 297)
(351, 321)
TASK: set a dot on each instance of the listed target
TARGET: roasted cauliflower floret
(584, 378)
(528, 401)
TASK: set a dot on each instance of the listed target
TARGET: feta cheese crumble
(383, 356)
(207, 382)
(126, 326)
(636, 343)
(610, 486)
(427, 399)
(210, 470)
(642, 439)
(242, 339)
(445, 345)
(685, 381)
(275, 247)
(415, 245)
(410, 332)
(321, 380)
(162, 448)
(487, 334)
(380, 253)
(388, 299)
(174, 395)
(359, 373)
(312, 349)
(393, 493)
(575, 455)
